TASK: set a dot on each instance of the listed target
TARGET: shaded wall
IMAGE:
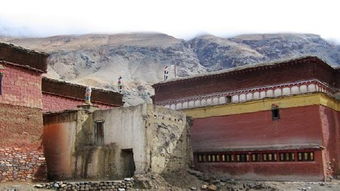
(58, 142)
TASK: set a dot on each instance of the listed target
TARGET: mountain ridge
(99, 59)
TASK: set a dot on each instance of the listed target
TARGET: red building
(278, 121)
(24, 95)
(59, 95)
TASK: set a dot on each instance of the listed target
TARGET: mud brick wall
(60, 95)
(20, 86)
(55, 103)
(22, 164)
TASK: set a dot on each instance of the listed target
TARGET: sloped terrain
(99, 59)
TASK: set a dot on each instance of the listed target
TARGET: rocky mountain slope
(99, 59)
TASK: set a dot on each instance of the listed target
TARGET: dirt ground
(183, 181)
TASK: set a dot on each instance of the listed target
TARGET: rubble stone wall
(21, 156)
(168, 133)
(22, 164)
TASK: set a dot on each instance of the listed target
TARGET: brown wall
(58, 142)
(337, 78)
(23, 57)
(73, 92)
(20, 144)
(291, 71)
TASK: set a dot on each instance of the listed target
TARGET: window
(255, 157)
(306, 156)
(228, 99)
(275, 112)
(287, 156)
(267, 157)
(0, 83)
(99, 133)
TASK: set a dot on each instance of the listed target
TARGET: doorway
(128, 164)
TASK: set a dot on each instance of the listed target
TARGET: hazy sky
(179, 18)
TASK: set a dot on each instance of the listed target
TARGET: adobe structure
(24, 95)
(274, 121)
(92, 143)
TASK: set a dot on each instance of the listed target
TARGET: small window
(199, 158)
(99, 133)
(0, 83)
(275, 112)
(306, 156)
(255, 157)
(287, 156)
(228, 99)
(267, 157)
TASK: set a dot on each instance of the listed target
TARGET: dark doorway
(128, 164)
(99, 133)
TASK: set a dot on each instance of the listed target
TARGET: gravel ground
(186, 183)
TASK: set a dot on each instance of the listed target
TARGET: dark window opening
(267, 157)
(306, 156)
(287, 156)
(275, 113)
(0, 84)
(228, 99)
(99, 133)
(255, 157)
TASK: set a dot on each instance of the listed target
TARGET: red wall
(330, 123)
(21, 156)
(298, 125)
(290, 170)
(54, 103)
(21, 87)
(285, 72)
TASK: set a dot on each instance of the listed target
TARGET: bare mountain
(99, 59)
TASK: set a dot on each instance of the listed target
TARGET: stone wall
(21, 156)
(168, 133)
(22, 164)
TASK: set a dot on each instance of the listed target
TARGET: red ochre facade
(299, 129)
(55, 103)
(236, 138)
(21, 156)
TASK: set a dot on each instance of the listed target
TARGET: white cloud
(180, 18)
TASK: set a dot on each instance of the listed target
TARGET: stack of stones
(117, 185)
(21, 164)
